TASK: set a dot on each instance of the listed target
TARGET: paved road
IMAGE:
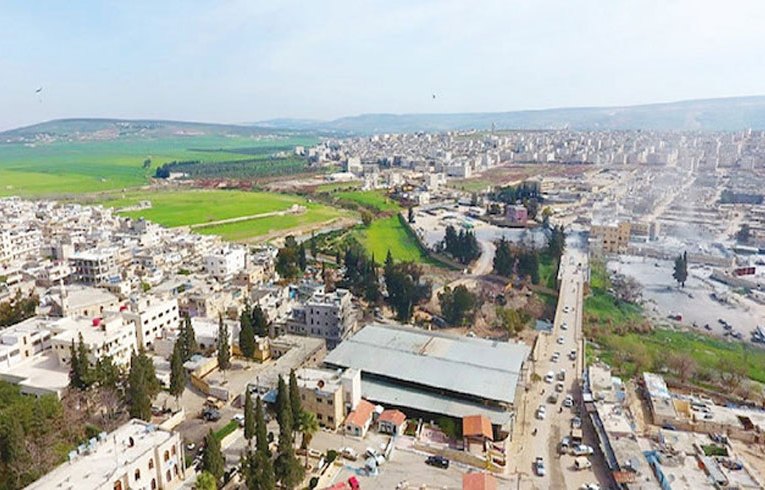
(535, 437)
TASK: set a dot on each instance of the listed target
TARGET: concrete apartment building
(137, 455)
(225, 262)
(108, 335)
(330, 394)
(94, 267)
(18, 244)
(22, 341)
(610, 238)
(150, 316)
(330, 316)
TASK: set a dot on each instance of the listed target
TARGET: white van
(582, 463)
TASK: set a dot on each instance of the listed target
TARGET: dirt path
(295, 209)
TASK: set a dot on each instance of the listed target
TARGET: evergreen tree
(249, 417)
(75, 373)
(259, 322)
(458, 305)
(261, 429)
(405, 288)
(83, 361)
(314, 246)
(212, 457)
(205, 481)
(264, 472)
(287, 468)
(680, 273)
(178, 374)
(224, 349)
(302, 262)
(246, 333)
(189, 340)
(410, 215)
(138, 397)
(295, 405)
(106, 373)
(283, 406)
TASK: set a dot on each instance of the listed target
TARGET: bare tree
(683, 365)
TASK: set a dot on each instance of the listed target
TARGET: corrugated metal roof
(478, 367)
(423, 401)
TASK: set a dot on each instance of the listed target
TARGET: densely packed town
(530, 412)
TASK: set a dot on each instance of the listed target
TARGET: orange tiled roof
(362, 413)
(477, 425)
(478, 481)
(395, 417)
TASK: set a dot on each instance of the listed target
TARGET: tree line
(463, 246)
(244, 168)
(291, 259)
(18, 308)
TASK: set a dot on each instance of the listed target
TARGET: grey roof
(400, 396)
(472, 366)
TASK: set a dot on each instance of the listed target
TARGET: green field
(390, 234)
(179, 208)
(374, 200)
(315, 213)
(338, 186)
(194, 207)
(73, 167)
(601, 308)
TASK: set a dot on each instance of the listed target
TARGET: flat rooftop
(106, 459)
(470, 366)
(40, 374)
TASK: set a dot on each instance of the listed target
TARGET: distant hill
(86, 129)
(724, 114)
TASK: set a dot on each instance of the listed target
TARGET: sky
(242, 61)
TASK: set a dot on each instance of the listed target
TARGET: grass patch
(601, 308)
(707, 351)
(373, 200)
(242, 230)
(548, 271)
(226, 430)
(338, 186)
(179, 208)
(76, 167)
(391, 234)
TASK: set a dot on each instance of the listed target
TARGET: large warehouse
(426, 372)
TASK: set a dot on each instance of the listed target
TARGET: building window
(172, 450)
(319, 416)
(168, 476)
(151, 463)
(153, 484)
(167, 455)
(137, 475)
(118, 485)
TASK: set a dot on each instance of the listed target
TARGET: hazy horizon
(240, 62)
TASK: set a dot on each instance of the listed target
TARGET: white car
(541, 412)
(239, 419)
(581, 450)
(566, 309)
(555, 357)
(560, 340)
(564, 326)
(590, 486)
(550, 377)
(568, 402)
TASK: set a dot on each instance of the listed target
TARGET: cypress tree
(259, 321)
(75, 377)
(249, 417)
(178, 375)
(247, 333)
(83, 362)
(138, 397)
(261, 430)
(295, 405)
(264, 472)
(224, 349)
(283, 407)
(302, 262)
(212, 457)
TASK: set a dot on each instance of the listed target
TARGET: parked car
(349, 453)
(555, 357)
(553, 398)
(549, 377)
(590, 486)
(564, 326)
(562, 375)
(582, 463)
(564, 445)
(239, 419)
(539, 466)
(559, 387)
(576, 422)
(210, 414)
(572, 355)
(581, 450)
(437, 461)
(568, 402)
(560, 340)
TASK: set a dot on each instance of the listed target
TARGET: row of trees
(291, 260)
(463, 246)
(361, 276)
(512, 260)
(18, 308)
(262, 470)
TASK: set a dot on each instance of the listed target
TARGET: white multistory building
(150, 316)
(225, 262)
